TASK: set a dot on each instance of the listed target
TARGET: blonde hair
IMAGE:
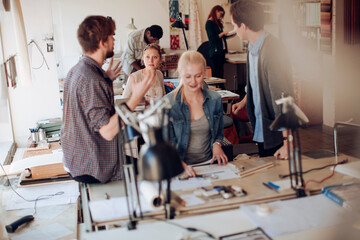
(189, 57)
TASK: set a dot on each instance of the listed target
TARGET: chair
(204, 50)
(243, 119)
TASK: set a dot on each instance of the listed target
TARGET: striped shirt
(88, 105)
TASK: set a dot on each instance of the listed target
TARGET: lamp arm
(164, 103)
(127, 116)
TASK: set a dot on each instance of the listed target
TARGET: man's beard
(109, 54)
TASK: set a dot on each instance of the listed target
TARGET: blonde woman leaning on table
(196, 116)
(151, 59)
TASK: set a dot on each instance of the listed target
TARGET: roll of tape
(263, 209)
(151, 194)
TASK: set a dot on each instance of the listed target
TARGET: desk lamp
(179, 24)
(158, 159)
(290, 119)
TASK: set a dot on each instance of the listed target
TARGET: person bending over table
(196, 116)
(151, 59)
(136, 42)
(90, 124)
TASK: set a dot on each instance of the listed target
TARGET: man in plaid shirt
(90, 124)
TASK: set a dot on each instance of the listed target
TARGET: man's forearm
(111, 129)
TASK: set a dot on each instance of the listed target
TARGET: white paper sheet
(351, 169)
(297, 215)
(227, 93)
(218, 172)
(115, 208)
(189, 183)
(12, 201)
(108, 209)
(48, 212)
(237, 57)
(53, 231)
(192, 200)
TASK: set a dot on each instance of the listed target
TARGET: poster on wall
(174, 33)
(178, 7)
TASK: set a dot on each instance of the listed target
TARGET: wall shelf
(314, 22)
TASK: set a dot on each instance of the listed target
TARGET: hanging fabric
(184, 10)
(3, 79)
(11, 71)
(194, 26)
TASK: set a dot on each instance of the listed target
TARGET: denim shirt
(254, 82)
(180, 119)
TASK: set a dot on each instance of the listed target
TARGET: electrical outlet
(50, 47)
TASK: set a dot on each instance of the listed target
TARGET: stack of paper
(352, 169)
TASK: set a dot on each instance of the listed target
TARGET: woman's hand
(223, 33)
(188, 170)
(219, 155)
(139, 90)
(113, 73)
(150, 74)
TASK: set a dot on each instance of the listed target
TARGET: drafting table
(257, 193)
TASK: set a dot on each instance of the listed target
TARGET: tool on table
(13, 226)
(271, 184)
(270, 187)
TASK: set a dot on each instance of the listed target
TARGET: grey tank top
(199, 145)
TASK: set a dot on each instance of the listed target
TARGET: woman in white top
(151, 59)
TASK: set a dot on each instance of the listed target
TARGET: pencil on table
(178, 199)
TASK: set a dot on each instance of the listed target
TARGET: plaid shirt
(88, 105)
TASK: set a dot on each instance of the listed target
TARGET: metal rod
(335, 133)
(85, 207)
(299, 158)
(186, 44)
(168, 199)
(290, 160)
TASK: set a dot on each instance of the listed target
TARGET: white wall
(68, 14)
(41, 99)
(347, 77)
(6, 134)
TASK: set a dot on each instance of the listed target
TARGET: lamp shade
(178, 23)
(159, 161)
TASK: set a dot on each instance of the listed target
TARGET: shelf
(305, 26)
(314, 22)
(308, 1)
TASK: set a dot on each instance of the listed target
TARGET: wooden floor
(314, 139)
